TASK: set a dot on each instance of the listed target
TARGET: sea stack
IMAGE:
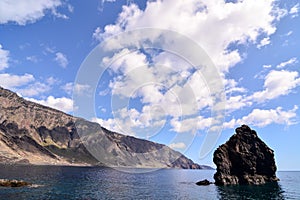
(244, 159)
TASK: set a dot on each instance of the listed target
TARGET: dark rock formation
(203, 182)
(13, 183)
(244, 159)
(34, 134)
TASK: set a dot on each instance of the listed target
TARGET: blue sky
(150, 88)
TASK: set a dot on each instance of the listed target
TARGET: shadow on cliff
(266, 191)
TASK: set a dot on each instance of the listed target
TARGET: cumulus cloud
(23, 12)
(170, 90)
(11, 81)
(34, 89)
(262, 118)
(277, 83)
(235, 21)
(232, 86)
(191, 124)
(63, 104)
(4, 57)
(61, 59)
(234, 103)
(264, 42)
(109, 124)
(133, 122)
(219, 27)
(179, 145)
(26, 85)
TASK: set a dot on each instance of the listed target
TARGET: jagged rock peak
(244, 159)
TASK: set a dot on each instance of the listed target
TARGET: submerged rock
(13, 183)
(244, 159)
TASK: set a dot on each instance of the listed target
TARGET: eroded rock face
(34, 134)
(244, 159)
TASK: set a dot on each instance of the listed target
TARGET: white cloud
(59, 15)
(277, 83)
(97, 34)
(291, 61)
(33, 59)
(78, 89)
(116, 125)
(180, 91)
(61, 59)
(262, 118)
(289, 33)
(132, 122)
(168, 83)
(51, 80)
(103, 1)
(64, 104)
(234, 103)
(26, 85)
(4, 57)
(191, 125)
(267, 66)
(179, 145)
(109, 124)
(128, 1)
(29, 11)
(235, 21)
(34, 89)
(125, 61)
(11, 81)
(49, 50)
(264, 42)
(68, 87)
(294, 10)
(104, 92)
(82, 89)
(70, 8)
(231, 86)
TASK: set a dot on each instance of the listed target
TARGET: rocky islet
(244, 159)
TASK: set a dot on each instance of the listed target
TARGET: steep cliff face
(244, 159)
(35, 134)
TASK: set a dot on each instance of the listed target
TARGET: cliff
(34, 134)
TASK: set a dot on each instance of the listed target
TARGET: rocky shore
(13, 183)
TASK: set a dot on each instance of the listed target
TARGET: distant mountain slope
(35, 134)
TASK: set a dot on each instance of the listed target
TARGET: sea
(87, 183)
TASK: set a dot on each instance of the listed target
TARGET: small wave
(35, 186)
(186, 183)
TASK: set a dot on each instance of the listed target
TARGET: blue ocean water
(53, 182)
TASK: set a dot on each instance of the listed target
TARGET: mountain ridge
(31, 133)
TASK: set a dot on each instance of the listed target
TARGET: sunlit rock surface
(34, 134)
